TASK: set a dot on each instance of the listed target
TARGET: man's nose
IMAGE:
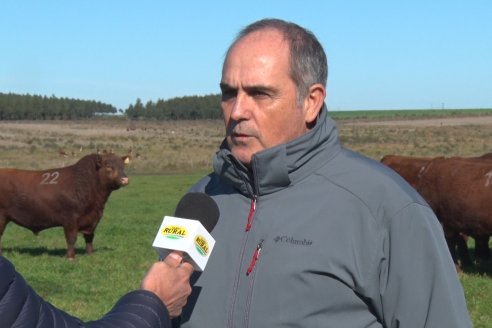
(241, 107)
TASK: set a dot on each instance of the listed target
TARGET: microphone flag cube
(188, 236)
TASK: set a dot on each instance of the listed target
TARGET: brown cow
(73, 197)
(408, 167)
(463, 188)
(413, 169)
(482, 251)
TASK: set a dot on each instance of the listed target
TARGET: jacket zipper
(254, 259)
(249, 223)
(251, 213)
(251, 273)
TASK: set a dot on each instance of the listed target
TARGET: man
(310, 234)
(164, 291)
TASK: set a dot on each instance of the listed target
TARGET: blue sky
(381, 54)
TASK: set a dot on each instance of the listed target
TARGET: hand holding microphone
(184, 244)
(170, 281)
(188, 231)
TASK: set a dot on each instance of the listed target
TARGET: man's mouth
(240, 137)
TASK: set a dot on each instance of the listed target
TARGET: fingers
(187, 267)
(169, 279)
(175, 259)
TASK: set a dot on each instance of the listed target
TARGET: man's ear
(313, 103)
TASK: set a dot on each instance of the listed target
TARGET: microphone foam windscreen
(198, 206)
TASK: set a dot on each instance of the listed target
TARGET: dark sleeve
(136, 309)
(20, 306)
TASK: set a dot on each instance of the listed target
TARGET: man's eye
(228, 94)
(259, 93)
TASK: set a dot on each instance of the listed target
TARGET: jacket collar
(278, 167)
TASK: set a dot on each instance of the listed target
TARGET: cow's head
(112, 170)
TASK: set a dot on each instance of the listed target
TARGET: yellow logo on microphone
(174, 232)
(201, 245)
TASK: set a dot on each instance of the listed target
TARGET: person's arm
(21, 306)
(170, 281)
(419, 285)
(166, 284)
(165, 290)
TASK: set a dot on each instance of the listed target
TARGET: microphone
(189, 229)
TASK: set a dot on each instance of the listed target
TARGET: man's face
(259, 98)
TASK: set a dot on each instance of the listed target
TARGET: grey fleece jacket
(319, 236)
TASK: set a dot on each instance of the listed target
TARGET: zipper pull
(252, 210)
(256, 255)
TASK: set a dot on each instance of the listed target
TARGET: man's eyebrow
(261, 88)
(225, 86)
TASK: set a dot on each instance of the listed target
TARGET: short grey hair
(308, 63)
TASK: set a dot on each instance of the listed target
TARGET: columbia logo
(293, 241)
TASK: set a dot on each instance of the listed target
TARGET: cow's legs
(482, 251)
(455, 243)
(459, 250)
(462, 248)
(451, 241)
(89, 237)
(71, 238)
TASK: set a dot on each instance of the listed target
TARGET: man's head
(273, 86)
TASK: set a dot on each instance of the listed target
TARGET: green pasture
(90, 285)
(407, 113)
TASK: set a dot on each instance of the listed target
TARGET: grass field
(89, 286)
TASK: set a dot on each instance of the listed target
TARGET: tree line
(34, 107)
(181, 108)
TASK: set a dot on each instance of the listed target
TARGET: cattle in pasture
(463, 189)
(408, 167)
(73, 197)
(486, 156)
(434, 179)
